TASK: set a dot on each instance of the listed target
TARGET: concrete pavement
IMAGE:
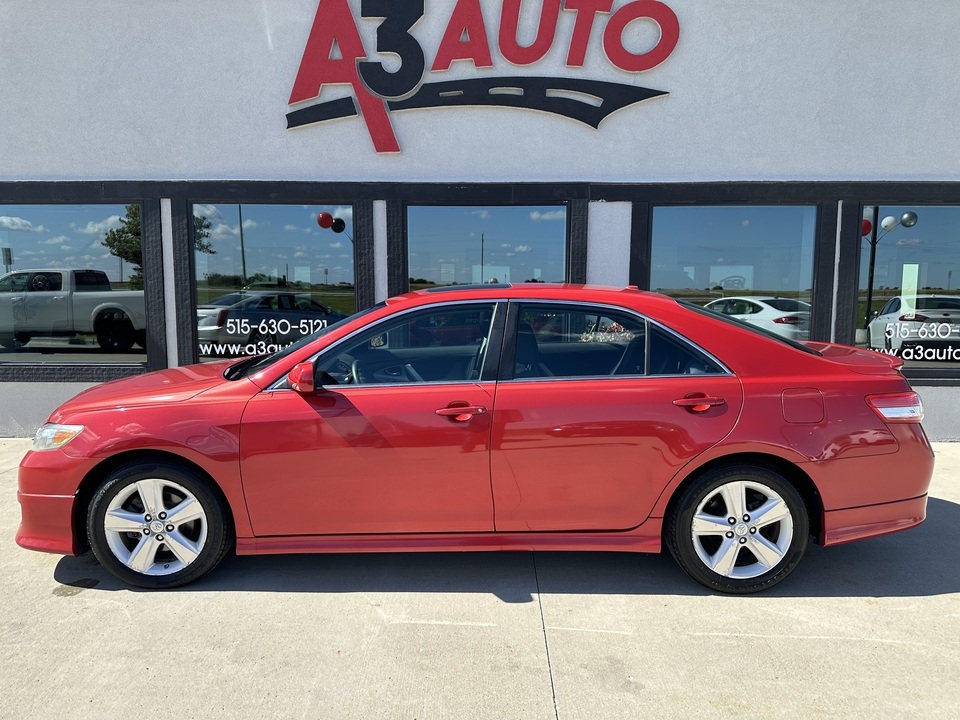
(865, 630)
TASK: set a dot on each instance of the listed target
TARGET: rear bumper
(46, 523)
(841, 526)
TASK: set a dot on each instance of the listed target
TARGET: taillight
(913, 318)
(897, 407)
(222, 317)
(789, 320)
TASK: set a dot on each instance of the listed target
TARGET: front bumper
(47, 523)
(48, 485)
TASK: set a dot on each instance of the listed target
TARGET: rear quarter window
(92, 281)
(755, 329)
(788, 305)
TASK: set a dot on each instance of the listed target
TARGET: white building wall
(608, 243)
(758, 89)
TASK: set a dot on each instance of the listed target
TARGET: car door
(399, 444)
(11, 308)
(596, 410)
(47, 303)
(12, 290)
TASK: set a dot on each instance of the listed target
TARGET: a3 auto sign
(335, 54)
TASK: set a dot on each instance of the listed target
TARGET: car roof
(552, 291)
(54, 269)
(530, 291)
(942, 297)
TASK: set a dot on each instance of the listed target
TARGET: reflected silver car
(930, 320)
(261, 322)
(787, 317)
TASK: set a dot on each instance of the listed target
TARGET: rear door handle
(462, 413)
(699, 402)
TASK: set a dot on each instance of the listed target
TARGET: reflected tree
(125, 242)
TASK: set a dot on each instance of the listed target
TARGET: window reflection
(555, 340)
(468, 245)
(72, 284)
(442, 344)
(708, 253)
(268, 275)
(908, 304)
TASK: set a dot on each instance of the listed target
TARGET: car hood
(866, 362)
(166, 386)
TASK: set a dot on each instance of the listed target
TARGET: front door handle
(699, 402)
(462, 413)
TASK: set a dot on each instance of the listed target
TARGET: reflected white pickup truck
(64, 303)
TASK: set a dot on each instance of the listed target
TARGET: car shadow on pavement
(919, 562)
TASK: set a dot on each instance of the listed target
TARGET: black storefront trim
(576, 195)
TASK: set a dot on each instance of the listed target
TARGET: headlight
(53, 437)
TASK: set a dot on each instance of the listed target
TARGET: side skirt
(645, 538)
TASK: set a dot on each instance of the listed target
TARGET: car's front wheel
(157, 525)
(738, 529)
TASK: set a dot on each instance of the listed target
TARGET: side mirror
(305, 380)
(301, 378)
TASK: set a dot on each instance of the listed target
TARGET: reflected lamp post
(888, 225)
(243, 254)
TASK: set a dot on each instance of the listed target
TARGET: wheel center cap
(741, 530)
(156, 527)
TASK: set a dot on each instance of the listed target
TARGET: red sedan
(525, 417)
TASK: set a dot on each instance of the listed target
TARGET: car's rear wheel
(738, 529)
(114, 331)
(157, 525)
(263, 342)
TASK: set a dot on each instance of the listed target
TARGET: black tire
(114, 332)
(141, 549)
(744, 553)
(140, 338)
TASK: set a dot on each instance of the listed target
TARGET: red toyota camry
(524, 417)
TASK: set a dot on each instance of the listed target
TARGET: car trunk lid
(866, 362)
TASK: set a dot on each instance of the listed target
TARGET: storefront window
(267, 275)
(468, 245)
(752, 262)
(72, 284)
(908, 304)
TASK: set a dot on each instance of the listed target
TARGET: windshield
(227, 300)
(252, 366)
(730, 320)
